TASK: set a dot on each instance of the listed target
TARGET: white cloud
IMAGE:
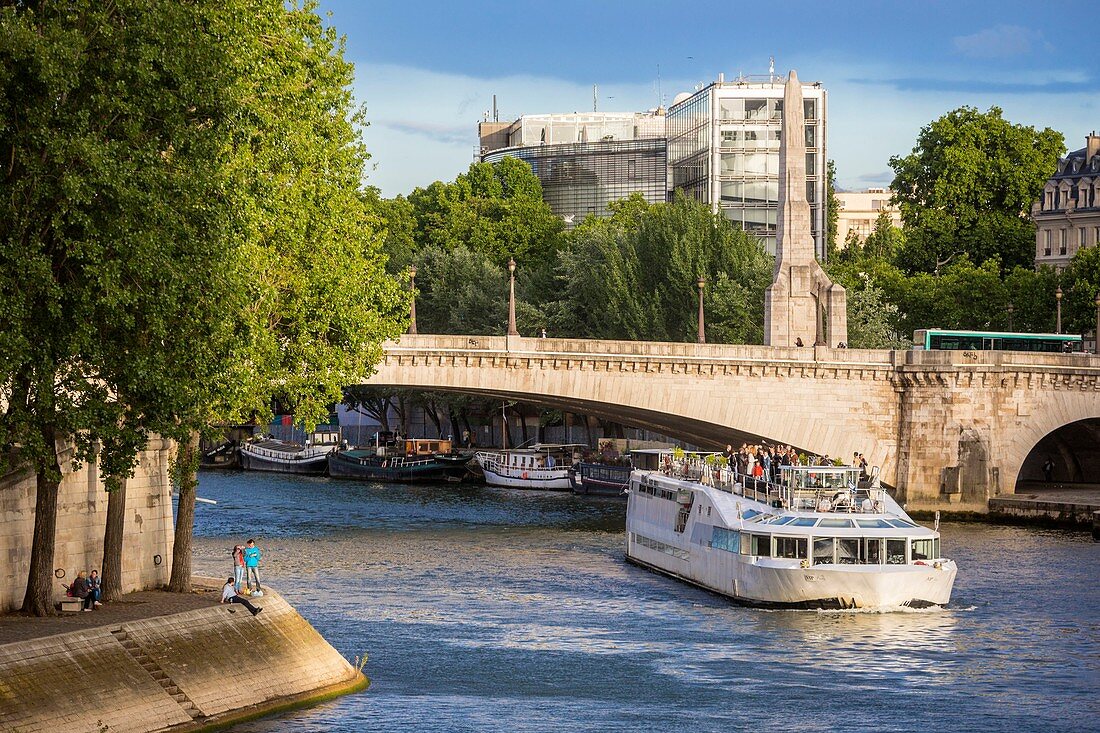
(1000, 41)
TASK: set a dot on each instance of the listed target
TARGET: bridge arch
(706, 393)
(1074, 450)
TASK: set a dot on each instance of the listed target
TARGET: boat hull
(447, 470)
(554, 479)
(597, 479)
(312, 466)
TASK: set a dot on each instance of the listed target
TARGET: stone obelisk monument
(802, 305)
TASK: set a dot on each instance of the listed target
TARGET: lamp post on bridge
(702, 337)
(412, 304)
(1058, 303)
(512, 298)
(1096, 336)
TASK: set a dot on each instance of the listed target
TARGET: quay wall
(81, 520)
(183, 672)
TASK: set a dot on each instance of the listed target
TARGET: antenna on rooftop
(771, 67)
(595, 90)
(495, 117)
(660, 97)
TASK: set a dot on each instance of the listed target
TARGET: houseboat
(814, 539)
(600, 479)
(542, 466)
(409, 460)
(278, 456)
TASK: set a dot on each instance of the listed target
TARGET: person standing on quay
(252, 557)
(238, 566)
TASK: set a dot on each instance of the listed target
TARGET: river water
(485, 609)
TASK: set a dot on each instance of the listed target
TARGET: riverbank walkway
(1064, 504)
(146, 604)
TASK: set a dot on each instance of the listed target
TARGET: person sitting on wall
(229, 595)
(79, 589)
(95, 588)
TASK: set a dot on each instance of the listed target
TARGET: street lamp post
(1011, 309)
(1058, 304)
(512, 298)
(1096, 336)
(412, 304)
(702, 337)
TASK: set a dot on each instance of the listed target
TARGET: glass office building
(585, 160)
(723, 150)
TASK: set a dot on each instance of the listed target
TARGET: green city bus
(944, 339)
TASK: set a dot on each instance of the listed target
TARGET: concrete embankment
(186, 671)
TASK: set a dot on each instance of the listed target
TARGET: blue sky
(426, 71)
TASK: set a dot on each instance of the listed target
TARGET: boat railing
(836, 499)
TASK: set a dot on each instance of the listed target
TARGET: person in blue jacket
(252, 557)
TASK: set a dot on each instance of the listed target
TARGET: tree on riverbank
(318, 301)
(186, 238)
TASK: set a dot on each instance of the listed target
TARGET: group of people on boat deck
(765, 462)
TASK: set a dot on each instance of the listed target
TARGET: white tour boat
(817, 539)
(542, 466)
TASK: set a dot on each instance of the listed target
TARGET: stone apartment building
(1067, 216)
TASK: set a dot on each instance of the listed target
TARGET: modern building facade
(723, 150)
(859, 210)
(585, 160)
(1067, 217)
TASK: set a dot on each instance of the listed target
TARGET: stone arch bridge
(948, 428)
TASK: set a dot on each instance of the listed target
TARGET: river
(485, 609)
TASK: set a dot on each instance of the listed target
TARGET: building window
(1096, 236)
(1081, 238)
(1050, 201)
(1046, 242)
(1062, 241)
(809, 108)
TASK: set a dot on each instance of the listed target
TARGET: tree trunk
(429, 411)
(187, 469)
(40, 579)
(112, 540)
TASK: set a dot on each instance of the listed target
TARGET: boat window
(727, 539)
(761, 518)
(804, 522)
(823, 550)
(847, 550)
(746, 544)
(790, 547)
(784, 520)
(837, 523)
(895, 552)
(924, 549)
(749, 514)
(762, 545)
(872, 550)
(873, 523)
(901, 523)
(936, 549)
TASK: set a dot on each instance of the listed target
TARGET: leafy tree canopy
(966, 187)
(494, 208)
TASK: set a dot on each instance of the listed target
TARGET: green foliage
(1081, 284)
(495, 209)
(872, 320)
(633, 276)
(966, 187)
(832, 206)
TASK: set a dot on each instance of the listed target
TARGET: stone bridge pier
(949, 429)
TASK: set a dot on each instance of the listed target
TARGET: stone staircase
(149, 665)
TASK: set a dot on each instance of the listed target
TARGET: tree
(111, 123)
(832, 207)
(1081, 284)
(495, 209)
(871, 319)
(633, 276)
(966, 187)
(319, 301)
